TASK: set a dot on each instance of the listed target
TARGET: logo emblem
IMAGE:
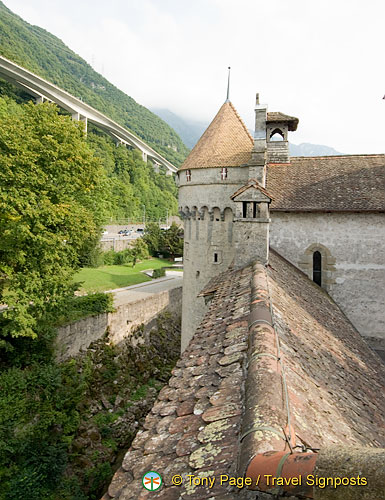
(152, 481)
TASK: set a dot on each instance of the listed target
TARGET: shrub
(109, 258)
(159, 273)
(94, 258)
(81, 307)
(123, 257)
(140, 249)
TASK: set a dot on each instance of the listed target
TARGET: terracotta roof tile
(281, 117)
(328, 183)
(335, 386)
(337, 383)
(251, 184)
(331, 183)
(225, 143)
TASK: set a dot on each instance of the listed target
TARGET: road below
(132, 293)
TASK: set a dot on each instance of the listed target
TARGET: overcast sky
(320, 61)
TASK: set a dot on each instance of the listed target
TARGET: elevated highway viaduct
(42, 90)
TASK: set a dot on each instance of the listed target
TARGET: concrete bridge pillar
(144, 156)
(84, 120)
(78, 117)
(39, 99)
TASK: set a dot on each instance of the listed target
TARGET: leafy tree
(132, 182)
(173, 241)
(139, 251)
(153, 238)
(46, 55)
(51, 205)
(169, 242)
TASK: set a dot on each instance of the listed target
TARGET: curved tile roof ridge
(269, 439)
(225, 406)
(269, 429)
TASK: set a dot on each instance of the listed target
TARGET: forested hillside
(44, 54)
(58, 440)
(189, 130)
(131, 183)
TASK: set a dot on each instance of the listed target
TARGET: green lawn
(109, 277)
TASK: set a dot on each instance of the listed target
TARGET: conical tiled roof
(225, 143)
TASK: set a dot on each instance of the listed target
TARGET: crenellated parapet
(212, 214)
(223, 202)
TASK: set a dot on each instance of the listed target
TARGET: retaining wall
(72, 339)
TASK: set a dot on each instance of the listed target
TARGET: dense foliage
(132, 185)
(51, 208)
(138, 251)
(75, 308)
(168, 243)
(63, 425)
(53, 195)
(47, 56)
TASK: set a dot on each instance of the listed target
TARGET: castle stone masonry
(239, 195)
(283, 263)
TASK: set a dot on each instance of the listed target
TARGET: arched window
(188, 175)
(317, 268)
(319, 264)
(277, 135)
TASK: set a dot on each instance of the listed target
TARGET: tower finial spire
(228, 86)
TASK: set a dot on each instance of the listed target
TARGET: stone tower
(224, 205)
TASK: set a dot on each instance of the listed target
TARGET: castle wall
(208, 251)
(206, 187)
(353, 252)
(278, 152)
(73, 338)
(207, 212)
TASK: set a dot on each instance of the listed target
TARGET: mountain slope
(189, 131)
(47, 56)
(307, 149)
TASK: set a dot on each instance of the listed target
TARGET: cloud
(321, 62)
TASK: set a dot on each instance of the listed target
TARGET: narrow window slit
(317, 268)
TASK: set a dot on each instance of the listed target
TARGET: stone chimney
(257, 164)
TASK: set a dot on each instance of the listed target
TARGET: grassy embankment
(110, 277)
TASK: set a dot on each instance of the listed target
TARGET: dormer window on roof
(251, 201)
